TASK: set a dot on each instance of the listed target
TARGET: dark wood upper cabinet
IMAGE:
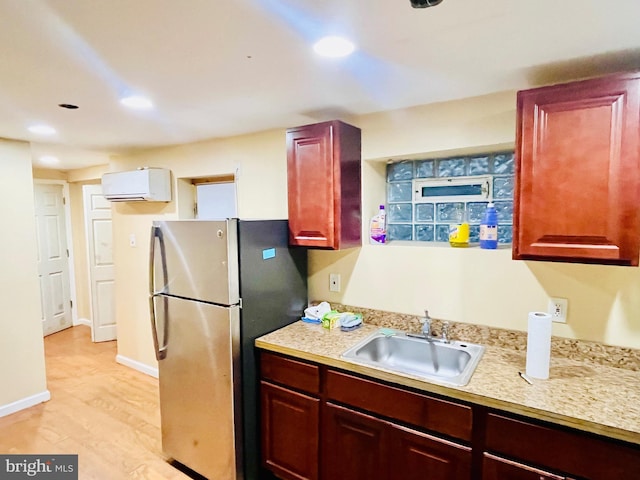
(578, 172)
(323, 167)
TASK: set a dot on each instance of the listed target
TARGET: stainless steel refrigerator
(214, 287)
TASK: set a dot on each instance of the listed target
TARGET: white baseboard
(82, 321)
(141, 367)
(18, 405)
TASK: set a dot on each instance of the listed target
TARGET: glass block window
(399, 192)
(425, 169)
(424, 233)
(409, 218)
(424, 212)
(400, 212)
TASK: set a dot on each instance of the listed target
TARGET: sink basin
(452, 363)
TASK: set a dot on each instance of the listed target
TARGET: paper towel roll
(538, 345)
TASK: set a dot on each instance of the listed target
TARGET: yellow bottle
(459, 231)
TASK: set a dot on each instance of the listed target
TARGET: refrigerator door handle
(156, 233)
(161, 351)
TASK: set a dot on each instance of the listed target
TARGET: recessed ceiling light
(137, 102)
(49, 160)
(333, 46)
(41, 129)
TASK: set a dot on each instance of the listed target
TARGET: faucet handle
(445, 332)
(426, 324)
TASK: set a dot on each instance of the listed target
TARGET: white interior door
(97, 214)
(53, 257)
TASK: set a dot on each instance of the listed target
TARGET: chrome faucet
(426, 330)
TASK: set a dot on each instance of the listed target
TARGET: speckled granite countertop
(584, 395)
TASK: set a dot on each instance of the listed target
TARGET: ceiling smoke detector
(425, 3)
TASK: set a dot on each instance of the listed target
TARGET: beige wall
(259, 162)
(49, 174)
(77, 179)
(22, 368)
(80, 266)
(469, 285)
(87, 175)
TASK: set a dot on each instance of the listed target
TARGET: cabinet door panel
(289, 432)
(496, 468)
(324, 185)
(418, 456)
(577, 172)
(354, 445)
(311, 188)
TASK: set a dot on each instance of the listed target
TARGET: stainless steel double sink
(451, 363)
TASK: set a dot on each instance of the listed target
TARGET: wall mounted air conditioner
(141, 185)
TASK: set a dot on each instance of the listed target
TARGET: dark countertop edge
(458, 394)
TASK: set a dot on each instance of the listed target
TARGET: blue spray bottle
(489, 228)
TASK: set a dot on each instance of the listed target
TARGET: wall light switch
(132, 239)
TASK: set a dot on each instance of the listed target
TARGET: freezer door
(199, 379)
(196, 260)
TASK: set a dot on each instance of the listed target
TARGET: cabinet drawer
(575, 453)
(434, 414)
(293, 373)
(496, 468)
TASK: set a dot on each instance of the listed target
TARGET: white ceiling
(217, 68)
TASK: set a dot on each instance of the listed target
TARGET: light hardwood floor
(105, 412)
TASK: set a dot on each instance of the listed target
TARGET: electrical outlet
(334, 282)
(558, 309)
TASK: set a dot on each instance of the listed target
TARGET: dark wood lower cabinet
(321, 423)
(354, 445)
(362, 447)
(577, 454)
(496, 468)
(290, 423)
(419, 456)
